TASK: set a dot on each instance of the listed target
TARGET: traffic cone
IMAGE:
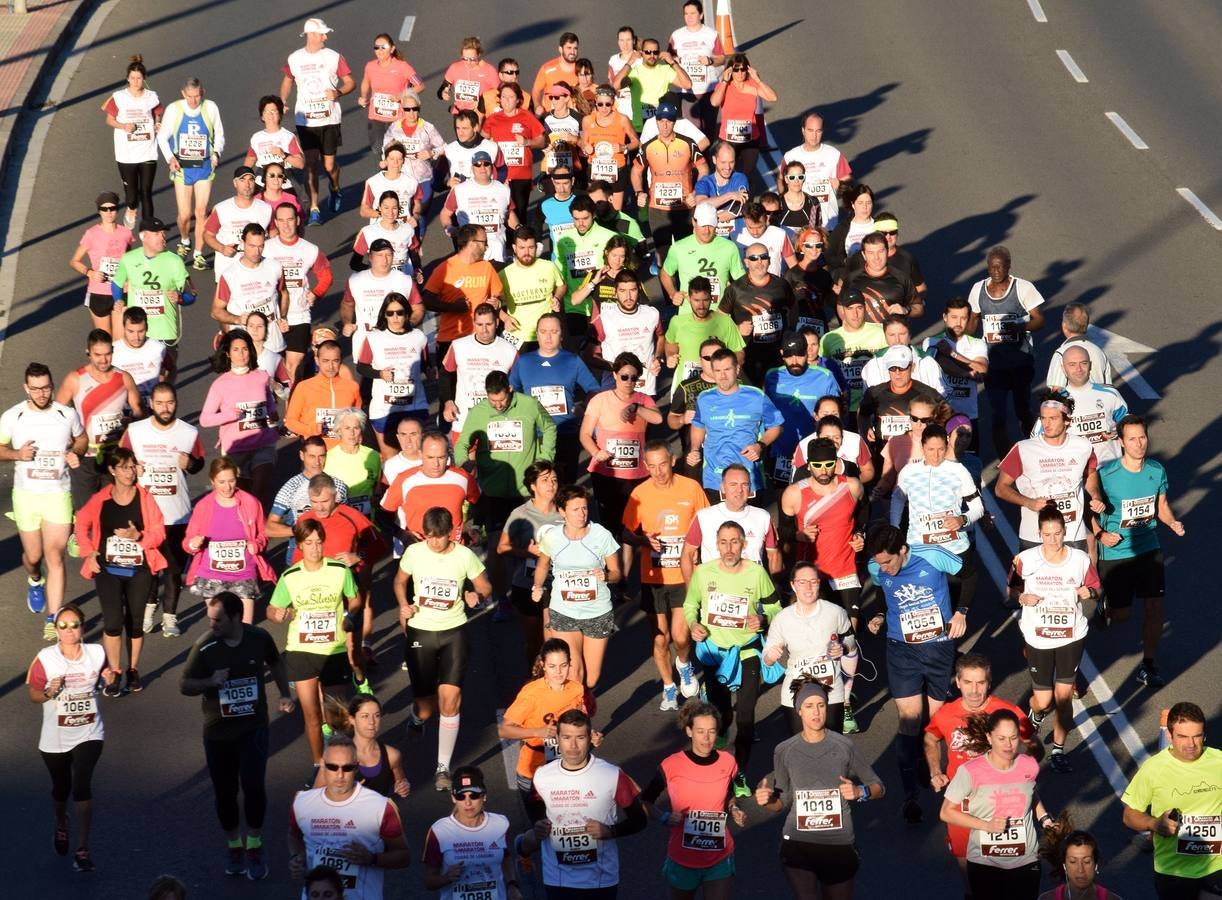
(725, 26)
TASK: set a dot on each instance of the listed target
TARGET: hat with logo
(243, 171)
(667, 111)
(153, 224)
(897, 356)
(481, 156)
(793, 345)
(705, 214)
(315, 26)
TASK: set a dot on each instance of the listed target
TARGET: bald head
(1077, 366)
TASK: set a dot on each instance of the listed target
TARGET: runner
(1077, 856)
(797, 210)
(316, 401)
(104, 243)
(1058, 589)
(1098, 408)
(607, 137)
(381, 764)
(459, 284)
(63, 679)
(685, 334)
(683, 401)
(659, 513)
(761, 302)
(254, 283)
(818, 773)
(921, 634)
(346, 826)
(826, 168)
(467, 78)
(698, 782)
(467, 853)
(120, 532)
(1134, 489)
(388, 226)
(663, 176)
(649, 76)
(391, 176)
(628, 47)
(884, 412)
(273, 143)
(1008, 309)
(103, 397)
(406, 442)
(322, 76)
(434, 483)
(270, 362)
(467, 364)
(393, 358)
(898, 332)
(584, 559)
(578, 255)
(134, 113)
(225, 229)
(229, 522)
(358, 466)
(367, 291)
(949, 725)
(846, 235)
(531, 287)
(154, 279)
(818, 640)
(699, 50)
(467, 142)
(531, 718)
(725, 188)
(517, 132)
(853, 344)
(227, 669)
(145, 359)
(1180, 787)
(740, 94)
(755, 227)
(423, 144)
(192, 140)
(700, 542)
(276, 192)
(851, 450)
(432, 622)
(562, 68)
(480, 200)
(794, 388)
(520, 541)
(730, 602)
(299, 260)
(387, 77)
(293, 498)
(887, 289)
(701, 252)
(994, 796)
(963, 359)
(45, 440)
(1075, 323)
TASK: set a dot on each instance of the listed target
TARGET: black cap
(243, 170)
(468, 778)
(793, 345)
(853, 298)
(108, 197)
(381, 244)
(153, 224)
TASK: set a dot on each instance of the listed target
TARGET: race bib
(47, 465)
(152, 302)
(506, 435)
(1094, 428)
(1003, 328)
(820, 668)
(514, 153)
(238, 697)
(344, 867)
(585, 261)
(921, 625)
(126, 554)
(76, 711)
(1136, 512)
(893, 426)
(143, 130)
(227, 556)
(670, 554)
(667, 192)
(958, 386)
(558, 155)
(437, 593)
(852, 372)
(704, 830)
(552, 397)
(811, 322)
(489, 218)
(766, 327)
(845, 583)
(1067, 503)
(1056, 615)
(782, 469)
(466, 91)
(106, 427)
(604, 168)
(1008, 844)
(574, 846)
(690, 370)
(475, 890)
(625, 453)
(818, 810)
(324, 418)
(252, 415)
(935, 528)
(192, 147)
(385, 105)
(1199, 836)
(294, 276)
(728, 610)
(398, 392)
(577, 587)
(317, 108)
(738, 131)
(817, 187)
(317, 626)
(160, 481)
(695, 68)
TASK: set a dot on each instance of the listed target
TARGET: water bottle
(832, 644)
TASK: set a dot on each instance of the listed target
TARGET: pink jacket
(251, 515)
(88, 528)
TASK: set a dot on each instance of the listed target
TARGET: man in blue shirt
(734, 423)
(552, 376)
(795, 388)
(726, 189)
(921, 635)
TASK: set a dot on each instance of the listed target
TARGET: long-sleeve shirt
(506, 443)
(244, 408)
(314, 404)
(721, 601)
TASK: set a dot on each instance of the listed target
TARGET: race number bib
(738, 131)
(437, 593)
(238, 697)
(514, 153)
(76, 711)
(560, 154)
(160, 481)
(47, 465)
(782, 469)
(704, 830)
(1136, 512)
(935, 527)
(152, 302)
(695, 68)
(893, 426)
(552, 397)
(690, 370)
(667, 192)
(603, 168)
(192, 148)
(317, 626)
(577, 587)
(143, 131)
(668, 557)
(475, 890)
(344, 867)
(294, 276)
(811, 322)
(324, 418)
(385, 105)
(1056, 615)
(122, 552)
(1094, 428)
(1008, 844)
(252, 415)
(728, 610)
(466, 91)
(399, 392)
(921, 625)
(108, 265)
(1199, 836)
(625, 453)
(1067, 503)
(820, 668)
(317, 108)
(574, 846)
(1003, 328)
(766, 327)
(488, 217)
(585, 261)
(820, 188)
(506, 435)
(227, 556)
(106, 427)
(818, 810)
(958, 387)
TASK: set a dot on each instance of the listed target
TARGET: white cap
(897, 355)
(705, 214)
(315, 26)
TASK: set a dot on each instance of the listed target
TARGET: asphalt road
(965, 122)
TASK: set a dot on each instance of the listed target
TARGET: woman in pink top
(468, 77)
(613, 433)
(103, 243)
(241, 403)
(274, 193)
(387, 76)
(226, 539)
(740, 95)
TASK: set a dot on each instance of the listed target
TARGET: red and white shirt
(140, 145)
(403, 353)
(262, 143)
(486, 205)
(315, 74)
(471, 361)
(327, 826)
(480, 851)
(73, 716)
(227, 220)
(756, 522)
(298, 261)
(160, 475)
(413, 493)
(405, 187)
(1040, 469)
(1057, 619)
(143, 364)
(367, 291)
(823, 164)
(245, 290)
(401, 240)
(637, 333)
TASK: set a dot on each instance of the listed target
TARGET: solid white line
(409, 24)
(1037, 10)
(1074, 69)
(1206, 213)
(765, 165)
(29, 166)
(1107, 702)
(1122, 368)
(509, 755)
(1127, 131)
(1098, 748)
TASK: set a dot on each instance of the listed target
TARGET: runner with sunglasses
(466, 854)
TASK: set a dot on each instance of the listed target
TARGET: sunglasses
(651, 52)
(604, 105)
(924, 420)
(411, 109)
(464, 795)
(65, 626)
(889, 233)
(396, 312)
(897, 368)
(108, 209)
(825, 464)
(738, 68)
(480, 165)
(381, 46)
(813, 245)
(757, 257)
(624, 376)
(795, 177)
(510, 71)
(337, 767)
(707, 358)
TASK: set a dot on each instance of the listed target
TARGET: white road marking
(1108, 763)
(1125, 129)
(1206, 213)
(1074, 69)
(409, 24)
(1037, 10)
(24, 193)
(766, 165)
(1116, 348)
(509, 755)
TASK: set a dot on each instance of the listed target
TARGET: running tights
(738, 706)
(72, 772)
(240, 762)
(138, 186)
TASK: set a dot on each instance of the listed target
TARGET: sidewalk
(29, 46)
